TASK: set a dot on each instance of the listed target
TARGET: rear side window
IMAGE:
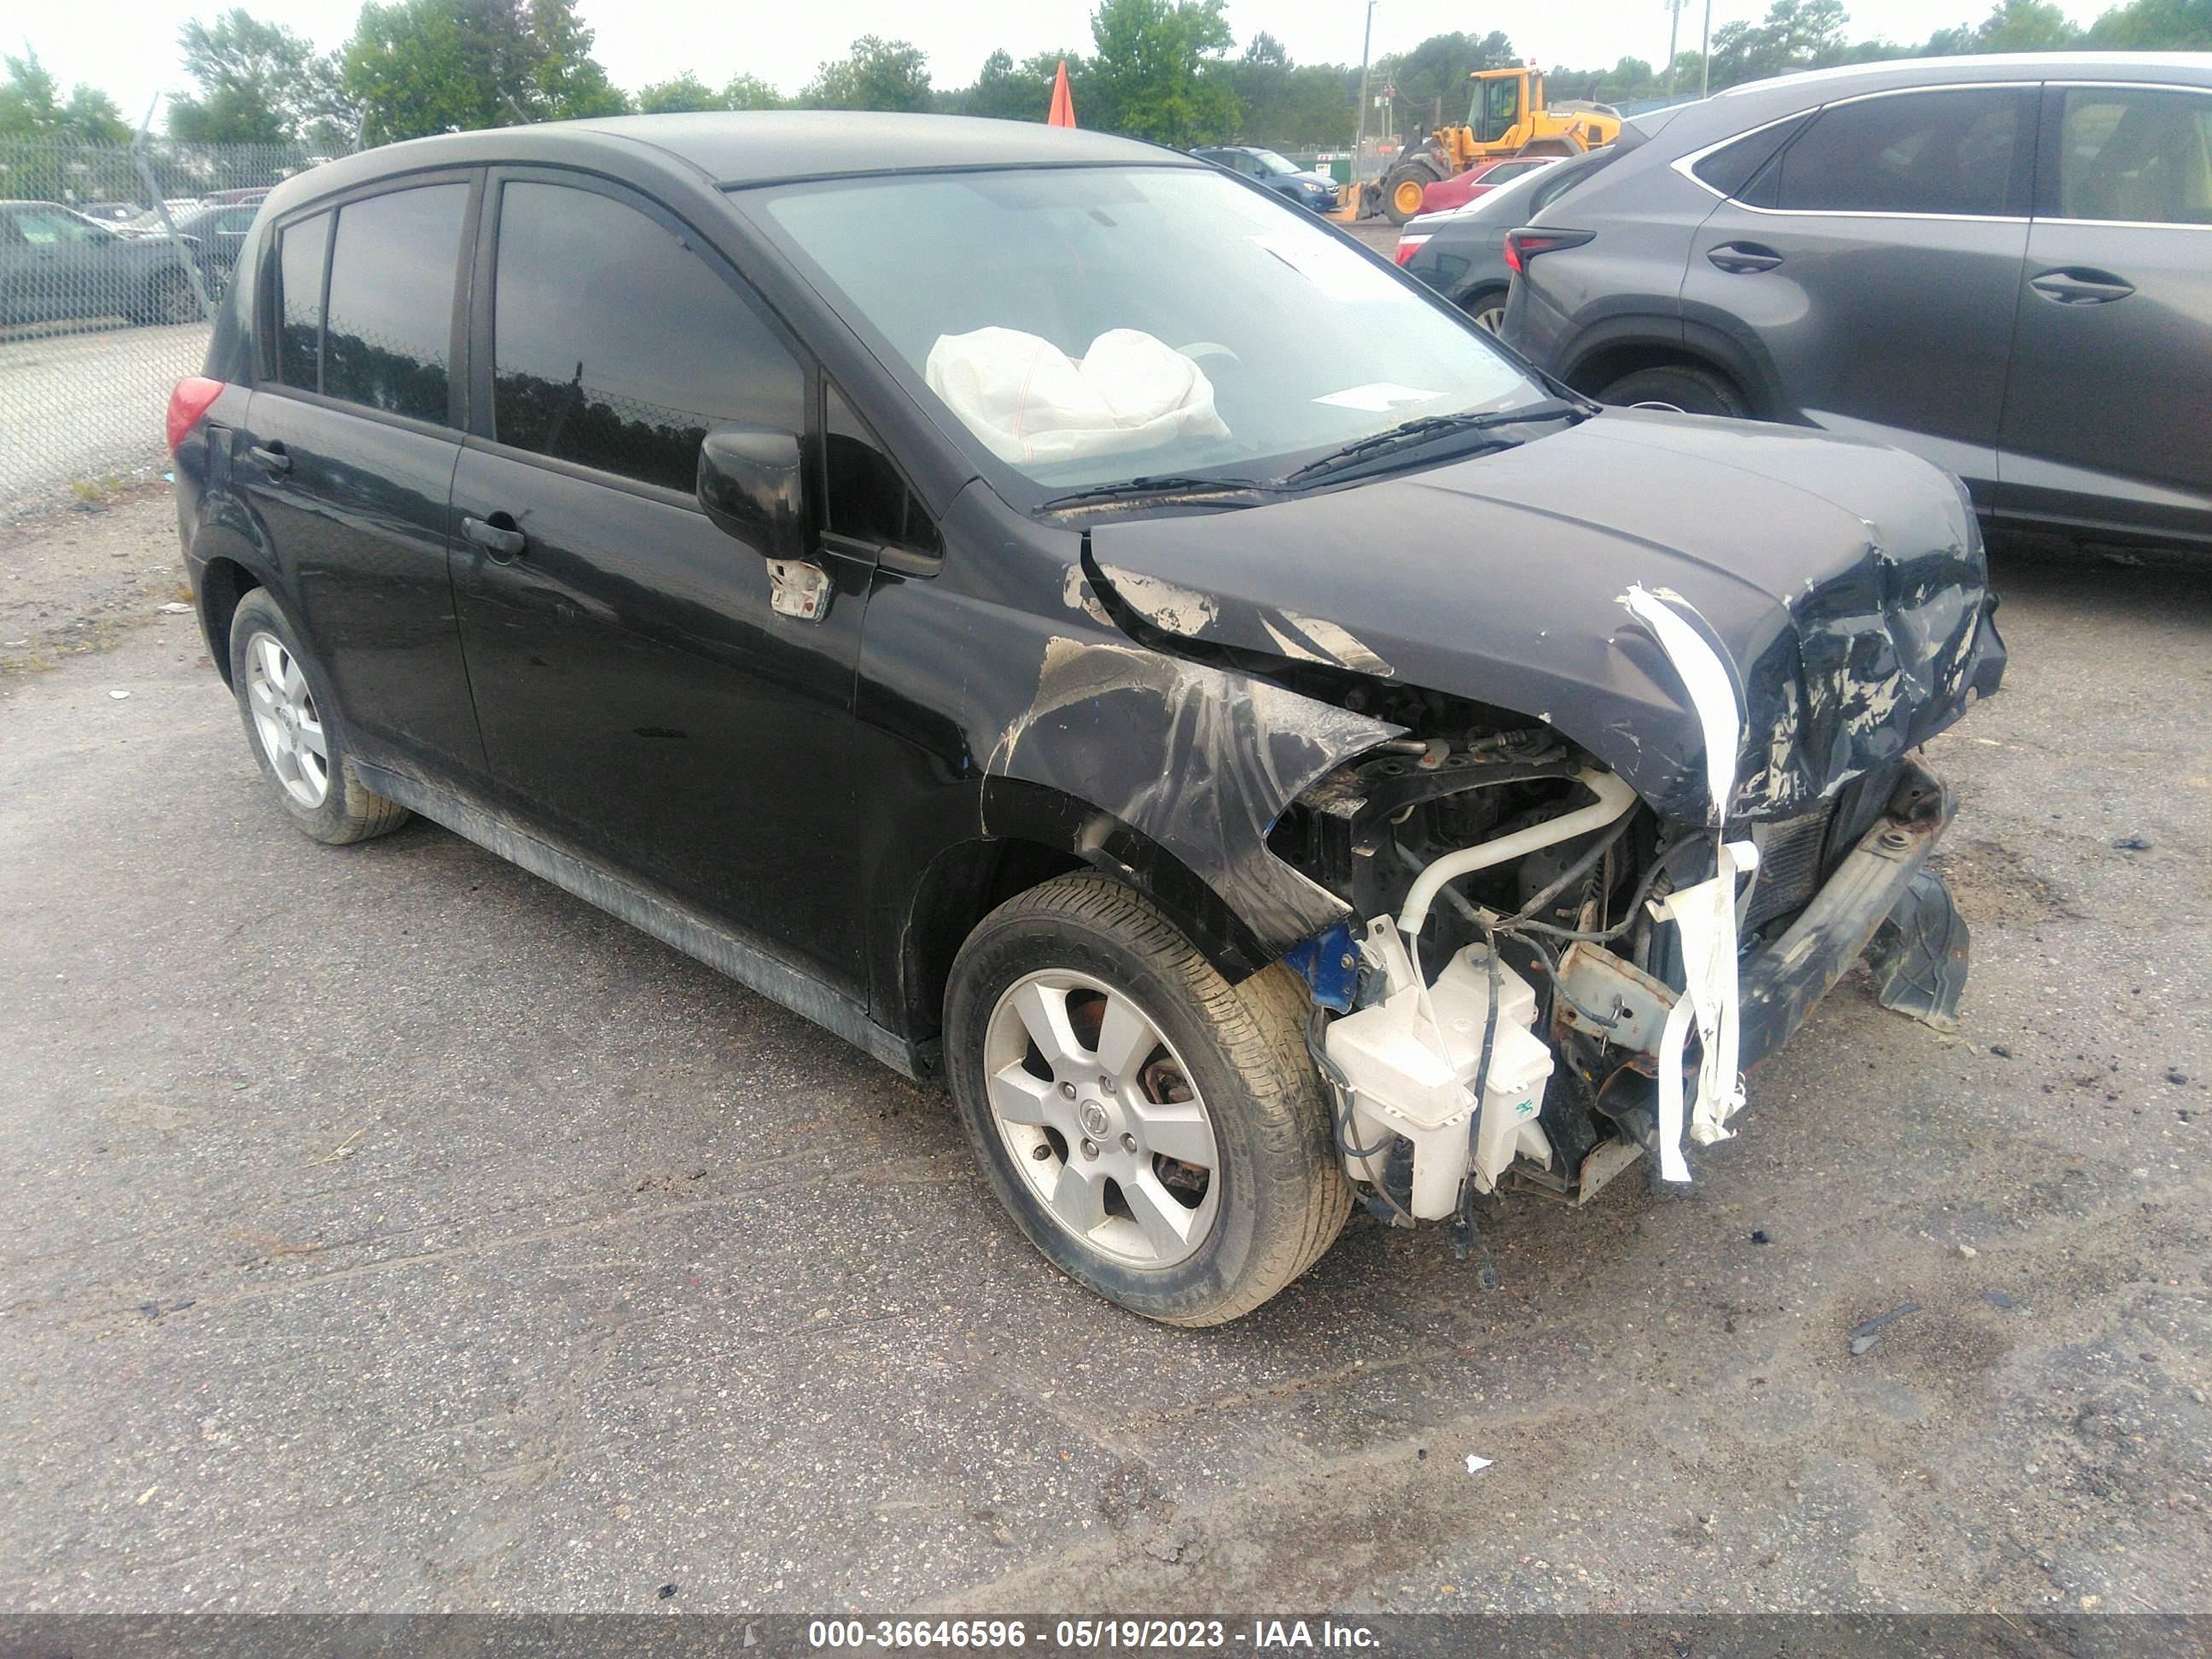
(615, 346)
(300, 252)
(2136, 154)
(387, 337)
(1953, 153)
(1731, 168)
(1559, 180)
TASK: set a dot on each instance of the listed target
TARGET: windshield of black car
(1089, 325)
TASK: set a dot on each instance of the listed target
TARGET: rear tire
(170, 299)
(1486, 310)
(1233, 1058)
(1679, 386)
(291, 722)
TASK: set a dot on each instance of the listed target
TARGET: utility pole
(1359, 124)
(1674, 29)
(1705, 54)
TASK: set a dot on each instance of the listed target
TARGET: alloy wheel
(286, 719)
(1099, 1115)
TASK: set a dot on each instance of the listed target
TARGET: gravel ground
(382, 1229)
(83, 407)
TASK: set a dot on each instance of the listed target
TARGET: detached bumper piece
(1918, 955)
(1880, 887)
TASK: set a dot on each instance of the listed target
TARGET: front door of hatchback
(639, 695)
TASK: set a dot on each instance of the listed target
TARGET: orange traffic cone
(1063, 102)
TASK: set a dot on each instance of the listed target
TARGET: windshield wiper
(1424, 427)
(1164, 484)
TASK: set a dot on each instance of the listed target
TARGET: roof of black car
(759, 147)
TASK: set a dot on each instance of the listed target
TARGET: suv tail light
(1408, 246)
(187, 403)
(1524, 244)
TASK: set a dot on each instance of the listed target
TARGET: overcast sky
(129, 47)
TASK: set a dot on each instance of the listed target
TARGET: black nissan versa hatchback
(1076, 630)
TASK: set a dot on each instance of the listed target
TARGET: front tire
(1158, 1134)
(1403, 190)
(292, 723)
(1679, 386)
(169, 301)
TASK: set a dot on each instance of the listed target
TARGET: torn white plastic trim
(1705, 916)
(1614, 797)
(1711, 688)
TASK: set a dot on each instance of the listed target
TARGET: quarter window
(867, 497)
(1950, 153)
(2135, 154)
(300, 252)
(387, 335)
(1731, 168)
(615, 346)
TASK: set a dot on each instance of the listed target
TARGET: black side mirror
(749, 486)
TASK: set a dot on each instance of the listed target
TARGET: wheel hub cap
(1097, 1114)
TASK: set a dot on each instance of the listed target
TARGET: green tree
(686, 92)
(750, 92)
(878, 74)
(1157, 73)
(1796, 34)
(2025, 26)
(2155, 25)
(32, 106)
(259, 82)
(425, 66)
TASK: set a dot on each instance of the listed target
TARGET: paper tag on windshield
(1379, 397)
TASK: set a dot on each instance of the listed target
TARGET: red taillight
(1408, 246)
(187, 403)
(1522, 246)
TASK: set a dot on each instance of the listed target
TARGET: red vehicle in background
(1464, 187)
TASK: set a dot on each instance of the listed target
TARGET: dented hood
(1843, 583)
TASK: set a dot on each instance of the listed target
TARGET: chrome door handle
(494, 538)
(1739, 259)
(2080, 286)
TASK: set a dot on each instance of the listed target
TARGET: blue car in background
(1264, 168)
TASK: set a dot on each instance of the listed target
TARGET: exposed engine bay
(1541, 985)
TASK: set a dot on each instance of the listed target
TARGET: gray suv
(2003, 265)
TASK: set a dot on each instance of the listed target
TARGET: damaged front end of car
(1566, 934)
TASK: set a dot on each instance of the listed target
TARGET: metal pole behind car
(190, 260)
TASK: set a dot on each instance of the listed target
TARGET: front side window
(300, 251)
(1951, 153)
(1091, 324)
(387, 335)
(2135, 154)
(1501, 108)
(615, 346)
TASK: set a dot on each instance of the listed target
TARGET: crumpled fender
(1013, 647)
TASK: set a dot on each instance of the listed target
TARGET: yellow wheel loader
(1507, 116)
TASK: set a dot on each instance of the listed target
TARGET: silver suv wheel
(285, 720)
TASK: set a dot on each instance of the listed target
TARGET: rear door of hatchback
(347, 451)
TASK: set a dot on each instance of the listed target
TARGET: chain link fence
(112, 258)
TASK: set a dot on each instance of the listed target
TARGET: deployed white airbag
(1029, 401)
